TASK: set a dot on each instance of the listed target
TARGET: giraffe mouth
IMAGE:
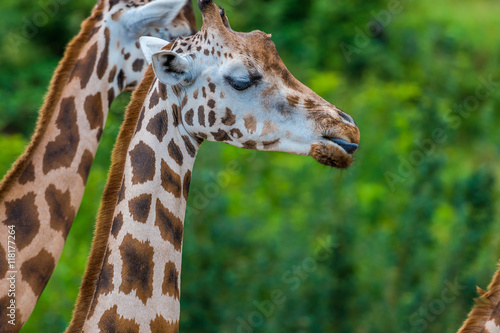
(334, 152)
(349, 148)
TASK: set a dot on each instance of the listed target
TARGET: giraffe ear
(172, 68)
(150, 46)
(159, 13)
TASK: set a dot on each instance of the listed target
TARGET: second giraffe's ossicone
(217, 85)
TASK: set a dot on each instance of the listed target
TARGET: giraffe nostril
(347, 117)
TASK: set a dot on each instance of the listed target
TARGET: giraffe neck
(133, 277)
(41, 194)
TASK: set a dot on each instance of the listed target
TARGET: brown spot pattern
(84, 67)
(138, 268)
(143, 162)
(28, 174)
(170, 180)
(160, 325)
(250, 145)
(111, 96)
(117, 225)
(176, 113)
(221, 135)
(4, 303)
(120, 80)
(93, 110)
(170, 284)
(189, 146)
(61, 152)
(175, 152)
(102, 65)
(121, 194)
(85, 165)
(293, 101)
(154, 99)
(23, 213)
(189, 117)
(137, 65)
(37, 271)
(177, 90)
(185, 184)
(211, 118)
(201, 115)
(229, 118)
(104, 283)
(250, 124)
(112, 74)
(141, 119)
(112, 322)
(236, 133)
(170, 226)
(139, 207)
(163, 91)
(212, 87)
(62, 213)
(158, 125)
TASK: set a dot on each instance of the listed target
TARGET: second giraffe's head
(233, 87)
(115, 50)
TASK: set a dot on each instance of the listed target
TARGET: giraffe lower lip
(350, 148)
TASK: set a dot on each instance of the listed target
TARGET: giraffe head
(233, 87)
(122, 22)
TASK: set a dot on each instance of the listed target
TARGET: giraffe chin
(331, 155)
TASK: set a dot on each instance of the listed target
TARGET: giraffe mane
(484, 307)
(59, 80)
(108, 202)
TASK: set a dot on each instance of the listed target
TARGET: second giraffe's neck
(136, 276)
(42, 193)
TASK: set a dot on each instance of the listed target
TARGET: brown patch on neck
(108, 203)
(62, 213)
(138, 268)
(59, 81)
(111, 321)
(37, 271)
(160, 324)
(61, 152)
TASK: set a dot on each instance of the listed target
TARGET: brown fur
(59, 81)
(108, 203)
(485, 305)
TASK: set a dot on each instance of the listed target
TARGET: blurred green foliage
(278, 243)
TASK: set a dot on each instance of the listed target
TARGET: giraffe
(485, 316)
(218, 85)
(41, 194)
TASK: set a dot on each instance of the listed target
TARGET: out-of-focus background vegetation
(397, 243)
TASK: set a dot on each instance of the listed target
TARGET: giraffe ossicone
(217, 85)
(42, 192)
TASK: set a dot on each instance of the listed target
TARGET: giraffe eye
(240, 84)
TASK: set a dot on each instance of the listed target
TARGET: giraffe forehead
(255, 50)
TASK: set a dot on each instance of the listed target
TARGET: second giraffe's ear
(150, 46)
(172, 68)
